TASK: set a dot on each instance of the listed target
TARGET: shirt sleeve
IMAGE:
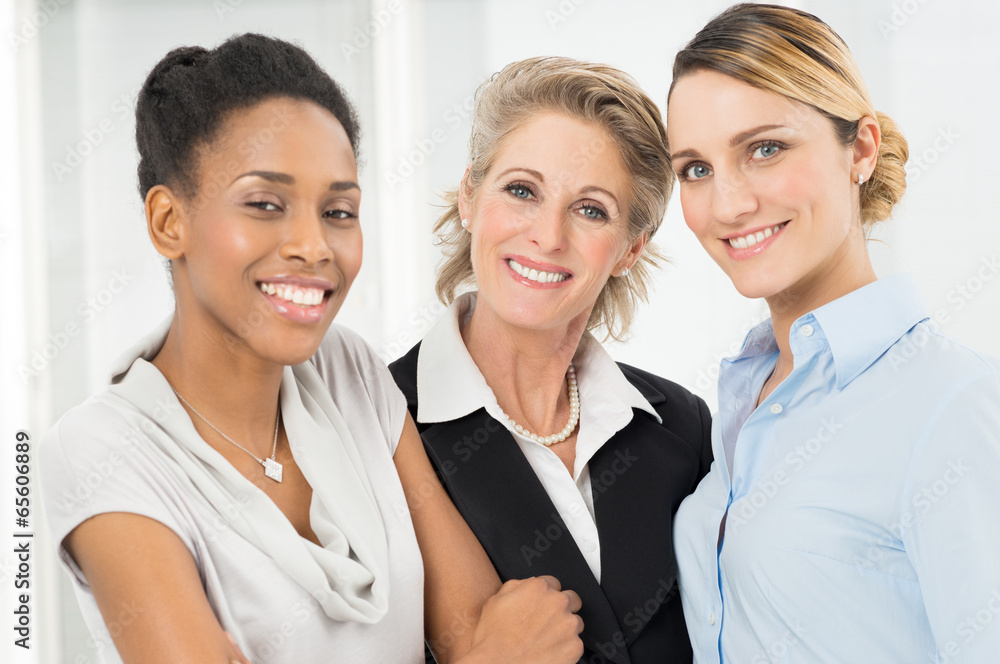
(352, 370)
(949, 518)
(93, 462)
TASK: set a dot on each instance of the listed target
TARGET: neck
(526, 369)
(848, 270)
(235, 393)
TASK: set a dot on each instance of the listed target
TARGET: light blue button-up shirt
(863, 496)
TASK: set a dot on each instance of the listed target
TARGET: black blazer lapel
(634, 502)
(639, 478)
(505, 505)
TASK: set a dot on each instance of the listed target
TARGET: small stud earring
(861, 179)
(465, 224)
(625, 273)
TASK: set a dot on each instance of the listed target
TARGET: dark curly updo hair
(190, 93)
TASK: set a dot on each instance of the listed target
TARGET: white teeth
(536, 275)
(304, 297)
(751, 239)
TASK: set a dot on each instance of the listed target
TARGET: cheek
(351, 253)
(695, 210)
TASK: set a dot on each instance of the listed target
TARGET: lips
(537, 275)
(303, 296)
(301, 300)
(750, 239)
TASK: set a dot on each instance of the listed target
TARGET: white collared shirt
(450, 386)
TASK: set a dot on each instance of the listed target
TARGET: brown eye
(266, 206)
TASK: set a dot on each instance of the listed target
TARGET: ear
(633, 253)
(465, 195)
(165, 221)
(865, 150)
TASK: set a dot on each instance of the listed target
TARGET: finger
(551, 581)
(575, 603)
(579, 625)
(509, 586)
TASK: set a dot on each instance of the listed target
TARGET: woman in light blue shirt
(851, 513)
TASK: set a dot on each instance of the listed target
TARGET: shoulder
(344, 359)
(655, 387)
(404, 372)
(683, 413)
(87, 433)
(343, 347)
(674, 403)
(933, 362)
(360, 384)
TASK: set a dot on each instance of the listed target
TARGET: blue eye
(766, 150)
(695, 172)
(593, 212)
(519, 190)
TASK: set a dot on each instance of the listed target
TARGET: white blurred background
(81, 281)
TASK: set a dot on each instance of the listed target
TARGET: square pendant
(272, 469)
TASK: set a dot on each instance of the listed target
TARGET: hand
(529, 620)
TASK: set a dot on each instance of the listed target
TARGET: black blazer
(639, 478)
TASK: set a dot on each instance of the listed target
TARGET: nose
(732, 197)
(305, 239)
(547, 229)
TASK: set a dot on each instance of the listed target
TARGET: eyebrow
(532, 172)
(738, 139)
(744, 136)
(541, 179)
(586, 190)
(285, 178)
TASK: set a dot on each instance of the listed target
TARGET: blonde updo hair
(592, 93)
(796, 55)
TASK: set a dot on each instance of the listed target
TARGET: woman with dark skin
(255, 447)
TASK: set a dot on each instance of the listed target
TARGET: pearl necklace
(574, 415)
(272, 467)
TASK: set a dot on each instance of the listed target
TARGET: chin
(754, 287)
(287, 349)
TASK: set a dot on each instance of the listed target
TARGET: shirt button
(776, 408)
(807, 330)
(589, 546)
(711, 619)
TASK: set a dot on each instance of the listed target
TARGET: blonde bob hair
(588, 92)
(796, 55)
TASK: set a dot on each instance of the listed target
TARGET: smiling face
(549, 223)
(767, 188)
(269, 245)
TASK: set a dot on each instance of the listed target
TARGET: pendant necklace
(272, 468)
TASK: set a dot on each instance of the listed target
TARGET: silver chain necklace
(272, 468)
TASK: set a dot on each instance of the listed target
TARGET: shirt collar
(451, 386)
(865, 323)
(449, 383)
(859, 327)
